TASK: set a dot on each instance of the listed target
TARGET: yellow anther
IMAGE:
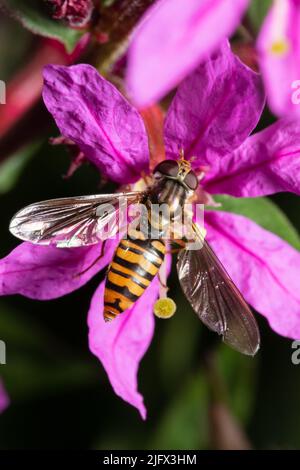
(164, 308)
(280, 47)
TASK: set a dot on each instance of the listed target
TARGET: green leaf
(185, 423)
(11, 57)
(265, 213)
(257, 12)
(275, 423)
(33, 14)
(239, 375)
(36, 361)
(176, 362)
(11, 169)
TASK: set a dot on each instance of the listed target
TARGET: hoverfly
(79, 221)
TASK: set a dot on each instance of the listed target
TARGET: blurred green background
(198, 392)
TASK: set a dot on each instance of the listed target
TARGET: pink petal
(4, 399)
(264, 267)
(214, 110)
(173, 38)
(43, 273)
(121, 344)
(279, 52)
(91, 112)
(268, 162)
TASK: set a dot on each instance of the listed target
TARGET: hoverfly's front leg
(177, 241)
(164, 307)
(163, 284)
(185, 242)
(178, 244)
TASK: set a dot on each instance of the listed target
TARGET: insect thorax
(173, 195)
(165, 206)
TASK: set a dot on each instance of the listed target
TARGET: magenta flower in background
(212, 115)
(279, 54)
(4, 400)
(175, 37)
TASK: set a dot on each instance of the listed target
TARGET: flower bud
(77, 13)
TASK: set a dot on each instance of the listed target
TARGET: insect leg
(179, 244)
(162, 283)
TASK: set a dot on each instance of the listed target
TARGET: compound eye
(191, 180)
(167, 168)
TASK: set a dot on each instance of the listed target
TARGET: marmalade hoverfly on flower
(80, 221)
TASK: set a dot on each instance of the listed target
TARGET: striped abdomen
(135, 264)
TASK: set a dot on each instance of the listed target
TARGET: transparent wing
(216, 299)
(74, 221)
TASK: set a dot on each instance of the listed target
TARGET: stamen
(181, 154)
(279, 43)
(182, 160)
(164, 308)
(280, 47)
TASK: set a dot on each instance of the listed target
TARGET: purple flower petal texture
(92, 113)
(279, 57)
(121, 344)
(4, 399)
(268, 162)
(43, 273)
(264, 267)
(172, 39)
(215, 109)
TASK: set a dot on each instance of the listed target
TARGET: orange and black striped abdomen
(135, 264)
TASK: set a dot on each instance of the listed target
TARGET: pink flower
(279, 52)
(212, 115)
(172, 39)
(4, 400)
